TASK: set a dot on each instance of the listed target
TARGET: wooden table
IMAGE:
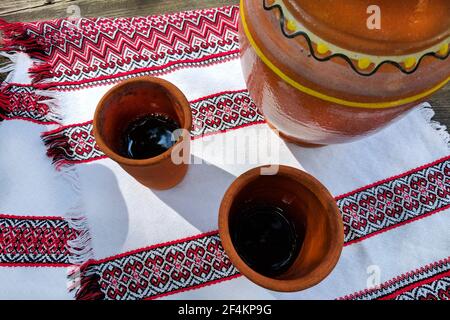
(28, 10)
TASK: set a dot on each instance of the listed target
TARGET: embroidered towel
(393, 188)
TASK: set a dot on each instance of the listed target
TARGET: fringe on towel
(58, 148)
(15, 37)
(52, 100)
(428, 113)
(40, 71)
(80, 248)
(82, 277)
(81, 253)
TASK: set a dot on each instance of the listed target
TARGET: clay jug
(326, 72)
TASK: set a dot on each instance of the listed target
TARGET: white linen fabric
(124, 216)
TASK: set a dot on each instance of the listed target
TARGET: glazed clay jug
(326, 72)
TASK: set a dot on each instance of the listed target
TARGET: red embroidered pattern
(72, 144)
(222, 112)
(168, 268)
(431, 282)
(98, 48)
(212, 114)
(35, 240)
(24, 102)
(158, 270)
(396, 201)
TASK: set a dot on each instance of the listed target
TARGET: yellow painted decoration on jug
(410, 62)
(443, 50)
(291, 25)
(322, 48)
(364, 63)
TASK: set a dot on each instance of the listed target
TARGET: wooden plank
(9, 7)
(3, 75)
(441, 105)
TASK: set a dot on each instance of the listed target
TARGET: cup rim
(335, 218)
(172, 90)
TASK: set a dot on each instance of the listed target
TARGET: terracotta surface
(314, 210)
(132, 99)
(408, 25)
(309, 119)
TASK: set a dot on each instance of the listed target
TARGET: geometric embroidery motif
(396, 201)
(72, 144)
(87, 49)
(222, 112)
(22, 102)
(170, 268)
(431, 282)
(34, 240)
(160, 270)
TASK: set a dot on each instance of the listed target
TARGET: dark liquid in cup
(265, 238)
(148, 136)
